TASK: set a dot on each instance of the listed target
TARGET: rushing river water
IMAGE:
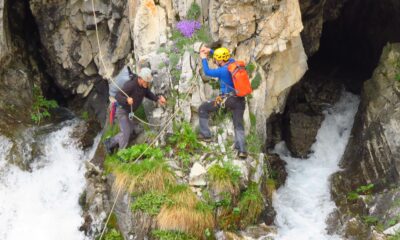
(304, 202)
(42, 203)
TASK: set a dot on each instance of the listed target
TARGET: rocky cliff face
(262, 31)
(19, 69)
(374, 148)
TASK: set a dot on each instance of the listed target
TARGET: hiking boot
(242, 155)
(200, 137)
(107, 145)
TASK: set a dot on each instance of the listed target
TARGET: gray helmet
(145, 74)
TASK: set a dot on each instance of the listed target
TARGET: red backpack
(240, 78)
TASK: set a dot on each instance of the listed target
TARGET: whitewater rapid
(304, 202)
(42, 204)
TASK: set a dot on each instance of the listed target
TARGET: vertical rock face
(265, 32)
(314, 14)
(19, 69)
(373, 151)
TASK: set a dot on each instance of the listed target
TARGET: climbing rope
(108, 73)
(166, 123)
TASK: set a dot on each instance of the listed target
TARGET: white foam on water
(43, 204)
(304, 202)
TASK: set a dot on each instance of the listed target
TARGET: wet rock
(86, 132)
(302, 131)
(278, 170)
(261, 231)
(303, 115)
(94, 201)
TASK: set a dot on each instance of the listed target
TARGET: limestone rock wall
(265, 32)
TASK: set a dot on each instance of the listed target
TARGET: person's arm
(128, 89)
(150, 95)
(210, 72)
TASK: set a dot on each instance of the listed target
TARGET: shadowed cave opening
(350, 48)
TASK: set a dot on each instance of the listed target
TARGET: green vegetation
(113, 235)
(250, 67)
(136, 151)
(41, 106)
(256, 82)
(184, 138)
(184, 143)
(112, 232)
(111, 131)
(150, 174)
(150, 203)
(253, 141)
(224, 178)
(171, 235)
(395, 237)
(371, 220)
(85, 116)
(251, 205)
(194, 11)
(362, 190)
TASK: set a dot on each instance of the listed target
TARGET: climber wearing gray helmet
(128, 100)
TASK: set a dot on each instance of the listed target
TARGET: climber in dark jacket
(137, 88)
(227, 98)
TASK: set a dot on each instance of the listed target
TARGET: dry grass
(143, 178)
(184, 213)
(185, 219)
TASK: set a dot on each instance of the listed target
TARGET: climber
(136, 88)
(227, 98)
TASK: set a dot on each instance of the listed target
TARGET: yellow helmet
(221, 54)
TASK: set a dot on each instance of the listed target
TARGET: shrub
(184, 138)
(41, 106)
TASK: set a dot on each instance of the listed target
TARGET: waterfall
(304, 202)
(42, 203)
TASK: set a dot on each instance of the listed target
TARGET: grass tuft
(224, 178)
(251, 205)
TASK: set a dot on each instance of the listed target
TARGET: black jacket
(134, 91)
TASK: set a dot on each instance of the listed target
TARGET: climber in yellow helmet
(222, 58)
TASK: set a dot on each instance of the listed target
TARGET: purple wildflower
(188, 27)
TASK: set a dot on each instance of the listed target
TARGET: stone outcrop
(303, 115)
